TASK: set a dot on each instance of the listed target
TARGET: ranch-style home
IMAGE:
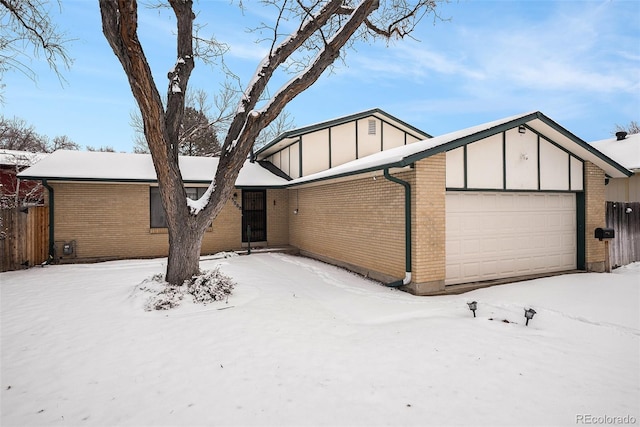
(515, 197)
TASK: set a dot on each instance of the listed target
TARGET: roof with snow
(66, 165)
(404, 156)
(291, 136)
(626, 152)
(20, 158)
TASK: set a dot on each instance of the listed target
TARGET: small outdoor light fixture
(473, 306)
(522, 129)
(528, 314)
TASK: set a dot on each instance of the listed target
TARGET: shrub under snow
(206, 287)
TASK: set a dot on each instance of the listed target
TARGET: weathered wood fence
(24, 237)
(624, 218)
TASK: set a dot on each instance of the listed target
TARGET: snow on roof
(625, 152)
(127, 167)
(20, 158)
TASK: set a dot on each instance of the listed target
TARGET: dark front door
(254, 215)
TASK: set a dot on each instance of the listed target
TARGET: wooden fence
(624, 218)
(24, 237)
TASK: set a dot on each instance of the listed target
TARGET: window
(158, 218)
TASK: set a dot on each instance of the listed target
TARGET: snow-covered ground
(303, 343)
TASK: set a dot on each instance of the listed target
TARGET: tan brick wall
(595, 216)
(278, 217)
(428, 217)
(111, 221)
(358, 224)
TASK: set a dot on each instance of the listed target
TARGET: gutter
(407, 229)
(51, 257)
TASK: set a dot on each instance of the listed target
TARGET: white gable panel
(284, 161)
(577, 174)
(391, 137)
(315, 152)
(455, 168)
(343, 144)
(484, 163)
(554, 167)
(521, 158)
(294, 160)
(368, 143)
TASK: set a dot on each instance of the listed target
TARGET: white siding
(554, 167)
(484, 163)
(367, 144)
(455, 168)
(577, 174)
(521, 160)
(294, 160)
(343, 143)
(315, 152)
(391, 137)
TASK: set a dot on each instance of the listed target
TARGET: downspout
(407, 229)
(51, 257)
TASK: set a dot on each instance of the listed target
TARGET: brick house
(12, 192)
(516, 197)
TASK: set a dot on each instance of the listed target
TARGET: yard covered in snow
(303, 343)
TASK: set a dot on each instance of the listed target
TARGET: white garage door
(496, 235)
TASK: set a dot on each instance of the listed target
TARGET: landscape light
(529, 313)
(473, 306)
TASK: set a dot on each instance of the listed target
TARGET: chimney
(621, 135)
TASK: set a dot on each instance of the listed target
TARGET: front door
(254, 215)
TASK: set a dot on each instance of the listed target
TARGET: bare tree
(632, 128)
(16, 134)
(323, 28)
(27, 23)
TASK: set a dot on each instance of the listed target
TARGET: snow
(20, 158)
(127, 167)
(303, 343)
(625, 152)
(195, 206)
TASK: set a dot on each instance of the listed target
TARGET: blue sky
(576, 61)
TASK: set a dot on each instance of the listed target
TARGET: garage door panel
(492, 235)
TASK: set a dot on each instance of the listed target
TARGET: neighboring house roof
(288, 137)
(65, 165)
(20, 158)
(626, 152)
(408, 154)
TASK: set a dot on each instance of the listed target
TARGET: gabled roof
(408, 154)
(292, 136)
(626, 152)
(66, 165)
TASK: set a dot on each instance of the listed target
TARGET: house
(624, 149)
(515, 197)
(15, 193)
(623, 198)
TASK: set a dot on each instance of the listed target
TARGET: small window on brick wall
(158, 218)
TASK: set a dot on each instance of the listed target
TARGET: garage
(493, 235)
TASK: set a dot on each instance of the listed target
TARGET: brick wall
(595, 216)
(428, 217)
(358, 224)
(111, 221)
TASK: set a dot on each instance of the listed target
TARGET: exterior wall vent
(372, 127)
(619, 135)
